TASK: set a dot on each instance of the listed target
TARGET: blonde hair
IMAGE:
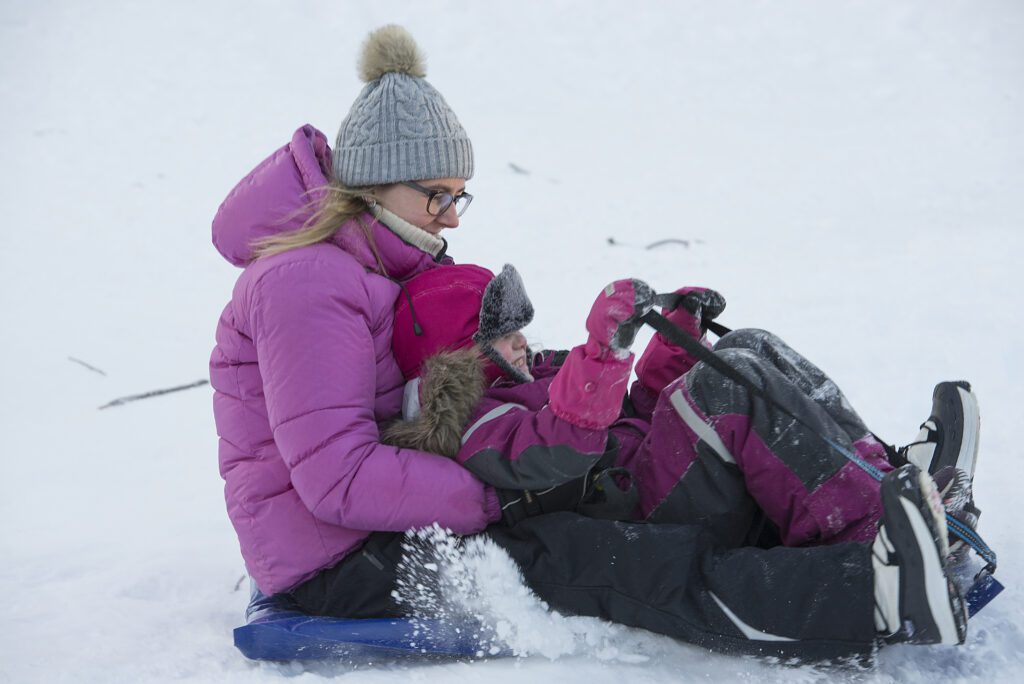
(339, 205)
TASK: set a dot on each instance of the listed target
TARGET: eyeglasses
(438, 201)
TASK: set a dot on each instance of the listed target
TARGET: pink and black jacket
(698, 448)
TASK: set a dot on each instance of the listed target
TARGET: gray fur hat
(505, 307)
(399, 128)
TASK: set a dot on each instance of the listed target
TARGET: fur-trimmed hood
(450, 388)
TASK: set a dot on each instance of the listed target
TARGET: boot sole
(927, 599)
(955, 411)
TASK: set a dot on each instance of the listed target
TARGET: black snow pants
(805, 603)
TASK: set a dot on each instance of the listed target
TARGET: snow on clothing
(303, 372)
(717, 455)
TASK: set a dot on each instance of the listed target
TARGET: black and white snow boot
(915, 600)
(950, 435)
(957, 495)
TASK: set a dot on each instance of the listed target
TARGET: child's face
(512, 348)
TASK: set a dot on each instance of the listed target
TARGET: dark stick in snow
(669, 241)
(154, 393)
(654, 245)
(83, 363)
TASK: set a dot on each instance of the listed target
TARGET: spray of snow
(470, 586)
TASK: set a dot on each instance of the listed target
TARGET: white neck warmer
(417, 237)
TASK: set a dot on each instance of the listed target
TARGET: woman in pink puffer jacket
(303, 368)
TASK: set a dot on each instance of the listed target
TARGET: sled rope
(677, 336)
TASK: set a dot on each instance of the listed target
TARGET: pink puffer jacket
(303, 372)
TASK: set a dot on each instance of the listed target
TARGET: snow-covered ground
(847, 174)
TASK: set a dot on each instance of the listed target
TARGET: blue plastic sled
(276, 629)
(985, 588)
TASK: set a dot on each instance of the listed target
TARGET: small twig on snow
(80, 362)
(654, 245)
(154, 393)
(669, 241)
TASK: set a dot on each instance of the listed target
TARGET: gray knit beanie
(399, 128)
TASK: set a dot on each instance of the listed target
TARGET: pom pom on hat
(391, 49)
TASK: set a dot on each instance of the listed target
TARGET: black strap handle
(673, 300)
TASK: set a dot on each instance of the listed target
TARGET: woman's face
(512, 348)
(411, 205)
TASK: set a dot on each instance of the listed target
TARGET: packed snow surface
(848, 174)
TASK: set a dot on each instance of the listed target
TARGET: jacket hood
(440, 311)
(451, 308)
(274, 197)
(451, 386)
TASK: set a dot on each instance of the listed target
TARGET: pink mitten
(663, 362)
(590, 385)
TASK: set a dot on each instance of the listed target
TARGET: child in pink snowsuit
(551, 434)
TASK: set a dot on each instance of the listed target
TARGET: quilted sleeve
(311, 327)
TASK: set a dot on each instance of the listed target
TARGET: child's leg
(682, 479)
(709, 435)
(813, 382)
